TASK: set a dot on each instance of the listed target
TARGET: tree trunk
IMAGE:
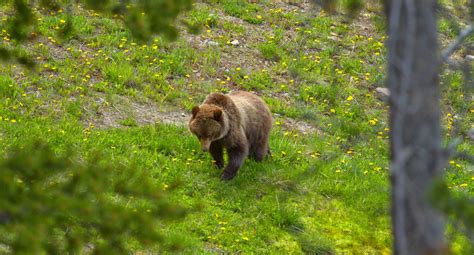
(415, 137)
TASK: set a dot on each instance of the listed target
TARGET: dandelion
(245, 238)
(13, 121)
(350, 98)
(259, 17)
(463, 185)
(332, 110)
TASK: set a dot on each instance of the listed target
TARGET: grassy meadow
(326, 187)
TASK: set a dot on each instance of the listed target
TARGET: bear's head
(208, 123)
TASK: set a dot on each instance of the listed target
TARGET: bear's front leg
(217, 153)
(236, 158)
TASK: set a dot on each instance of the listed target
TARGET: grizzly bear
(240, 122)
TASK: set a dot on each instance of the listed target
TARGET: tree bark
(415, 139)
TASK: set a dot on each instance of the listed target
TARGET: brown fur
(240, 122)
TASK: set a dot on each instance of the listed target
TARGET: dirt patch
(147, 114)
(113, 115)
(289, 124)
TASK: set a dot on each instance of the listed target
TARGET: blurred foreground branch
(457, 43)
(53, 204)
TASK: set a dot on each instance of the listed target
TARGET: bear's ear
(195, 110)
(218, 115)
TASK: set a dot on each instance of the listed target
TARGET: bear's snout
(205, 144)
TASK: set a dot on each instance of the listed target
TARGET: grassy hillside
(326, 188)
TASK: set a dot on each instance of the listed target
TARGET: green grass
(239, 215)
(323, 192)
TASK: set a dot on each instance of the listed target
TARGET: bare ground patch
(113, 114)
(300, 126)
